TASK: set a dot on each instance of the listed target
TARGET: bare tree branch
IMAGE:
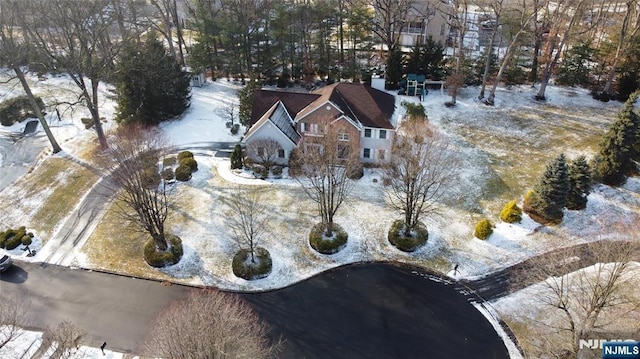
(209, 324)
(249, 219)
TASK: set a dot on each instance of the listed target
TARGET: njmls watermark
(610, 345)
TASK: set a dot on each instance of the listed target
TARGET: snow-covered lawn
(535, 322)
(27, 343)
(503, 151)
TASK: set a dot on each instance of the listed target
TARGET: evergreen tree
(579, 183)
(619, 147)
(236, 157)
(246, 102)
(151, 86)
(575, 66)
(551, 192)
(393, 70)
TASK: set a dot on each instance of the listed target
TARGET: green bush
(276, 171)
(235, 128)
(168, 174)
(183, 173)
(243, 268)
(158, 259)
(169, 161)
(327, 246)
(484, 228)
(17, 109)
(12, 238)
(236, 157)
(151, 177)
(260, 171)
(407, 244)
(87, 122)
(511, 213)
(184, 154)
(356, 172)
(189, 162)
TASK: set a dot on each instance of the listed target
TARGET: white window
(383, 134)
(281, 153)
(367, 132)
(366, 153)
(304, 127)
(343, 136)
(381, 154)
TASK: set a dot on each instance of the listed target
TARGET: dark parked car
(5, 262)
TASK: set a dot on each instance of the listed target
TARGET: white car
(5, 261)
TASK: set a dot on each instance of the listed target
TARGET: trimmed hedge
(407, 244)
(483, 230)
(243, 268)
(189, 162)
(158, 259)
(168, 174)
(327, 246)
(17, 109)
(184, 154)
(12, 238)
(511, 213)
(183, 173)
(169, 161)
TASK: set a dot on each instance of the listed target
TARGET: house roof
(277, 115)
(370, 107)
(294, 102)
(362, 103)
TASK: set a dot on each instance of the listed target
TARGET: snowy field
(503, 150)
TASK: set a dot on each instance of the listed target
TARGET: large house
(363, 115)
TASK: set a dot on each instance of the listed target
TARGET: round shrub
(511, 213)
(245, 269)
(407, 243)
(484, 228)
(168, 174)
(184, 154)
(169, 161)
(277, 171)
(13, 242)
(26, 240)
(183, 173)
(235, 128)
(159, 259)
(260, 171)
(327, 246)
(189, 162)
(356, 172)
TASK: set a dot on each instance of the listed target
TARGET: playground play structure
(417, 85)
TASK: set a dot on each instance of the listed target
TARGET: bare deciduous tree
(422, 162)
(141, 196)
(77, 38)
(582, 300)
(457, 17)
(325, 163)
(14, 49)
(13, 317)
(563, 17)
(209, 324)
(265, 150)
(249, 219)
(390, 20)
(64, 339)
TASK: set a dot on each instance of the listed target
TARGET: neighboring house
(426, 18)
(197, 78)
(362, 114)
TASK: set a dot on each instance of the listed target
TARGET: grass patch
(52, 190)
(117, 246)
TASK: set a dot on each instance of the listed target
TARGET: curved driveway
(357, 311)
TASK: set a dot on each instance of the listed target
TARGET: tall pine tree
(151, 85)
(619, 147)
(579, 183)
(245, 97)
(551, 191)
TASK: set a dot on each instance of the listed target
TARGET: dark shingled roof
(294, 102)
(371, 107)
(362, 103)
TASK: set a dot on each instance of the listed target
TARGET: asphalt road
(358, 311)
(18, 153)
